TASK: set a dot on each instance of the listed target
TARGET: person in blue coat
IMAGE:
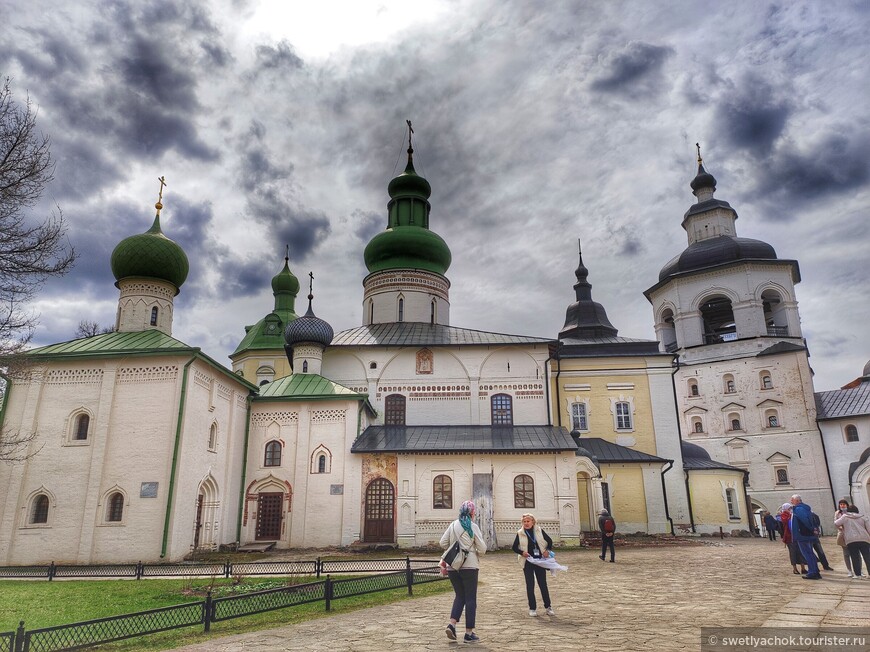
(805, 534)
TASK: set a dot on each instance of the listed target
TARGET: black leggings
(858, 549)
(531, 572)
(464, 583)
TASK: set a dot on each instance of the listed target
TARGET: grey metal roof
(781, 347)
(605, 451)
(425, 334)
(571, 347)
(699, 464)
(840, 403)
(463, 439)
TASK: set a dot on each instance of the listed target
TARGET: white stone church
(145, 448)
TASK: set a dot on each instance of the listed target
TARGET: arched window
(735, 424)
(766, 381)
(775, 316)
(718, 318)
(729, 386)
(83, 421)
(697, 424)
(668, 331)
(154, 316)
(851, 433)
(731, 500)
(212, 437)
(394, 410)
(502, 410)
(115, 508)
(771, 418)
(371, 311)
(623, 416)
(782, 475)
(432, 312)
(39, 510)
(693, 388)
(273, 454)
(442, 492)
(524, 491)
(578, 417)
(305, 366)
(401, 310)
(321, 463)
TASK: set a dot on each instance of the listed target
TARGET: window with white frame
(731, 501)
(693, 387)
(623, 415)
(781, 473)
(321, 460)
(578, 417)
(728, 384)
(771, 419)
(212, 437)
(734, 422)
(766, 380)
(442, 492)
(697, 425)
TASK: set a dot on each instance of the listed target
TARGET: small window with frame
(524, 491)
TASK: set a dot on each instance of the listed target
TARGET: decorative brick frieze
(147, 374)
(74, 377)
(328, 416)
(281, 418)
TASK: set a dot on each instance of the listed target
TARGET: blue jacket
(802, 517)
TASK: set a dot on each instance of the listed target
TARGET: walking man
(608, 529)
(770, 526)
(805, 535)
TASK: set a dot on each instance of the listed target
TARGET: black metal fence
(80, 635)
(137, 571)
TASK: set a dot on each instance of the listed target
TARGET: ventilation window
(154, 316)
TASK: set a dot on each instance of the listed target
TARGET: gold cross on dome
(159, 204)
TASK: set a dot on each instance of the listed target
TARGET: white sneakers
(550, 611)
(849, 574)
(533, 613)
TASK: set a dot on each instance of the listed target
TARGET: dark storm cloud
(835, 164)
(54, 55)
(148, 70)
(633, 71)
(752, 114)
(281, 57)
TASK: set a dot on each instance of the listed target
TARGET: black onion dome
(308, 328)
(703, 179)
(717, 251)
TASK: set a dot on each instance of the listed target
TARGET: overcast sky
(537, 123)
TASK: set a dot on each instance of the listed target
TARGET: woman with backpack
(464, 581)
(608, 530)
(532, 542)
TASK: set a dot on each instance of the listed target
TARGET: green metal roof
(268, 333)
(148, 342)
(306, 386)
(151, 340)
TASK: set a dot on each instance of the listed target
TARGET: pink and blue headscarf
(466, 511)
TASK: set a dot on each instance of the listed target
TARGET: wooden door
(269, 513)
(379, 512)
(198, 527)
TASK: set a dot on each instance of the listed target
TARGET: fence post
(19, 637)
(51, 571)
(327, 593)
(227, 568)
(721, 533)
(317, 566)
(206, 609)
(409, 576)
(139, 570)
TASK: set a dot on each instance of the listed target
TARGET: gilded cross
(159, 204)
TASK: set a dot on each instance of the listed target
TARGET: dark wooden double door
(270, 510)
(380, 512)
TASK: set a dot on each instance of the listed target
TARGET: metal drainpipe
(665, 495)
(558, 392)
(244, 467)
(174, 469)
(676, 366)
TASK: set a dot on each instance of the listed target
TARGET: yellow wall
(598, 373)
(708, 501)
(627, 495)
(251, 361)
(584, 491)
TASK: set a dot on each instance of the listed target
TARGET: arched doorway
(380, 508)
(206, 526)
(269, 514)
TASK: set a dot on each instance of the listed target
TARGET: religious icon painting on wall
(424, 361)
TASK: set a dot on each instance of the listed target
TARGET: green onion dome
(284, 282)
(407, 243)
(150, 255)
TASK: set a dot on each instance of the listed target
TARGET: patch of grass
(44, 604)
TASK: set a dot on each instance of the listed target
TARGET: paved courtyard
(653, 598)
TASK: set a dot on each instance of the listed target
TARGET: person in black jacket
(607, 525)
(532, 542)
(817, 545)
(770, 526)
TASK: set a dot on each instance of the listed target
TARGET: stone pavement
(652, 598)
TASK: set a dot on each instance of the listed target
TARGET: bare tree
(88, 328)
(30, 251)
